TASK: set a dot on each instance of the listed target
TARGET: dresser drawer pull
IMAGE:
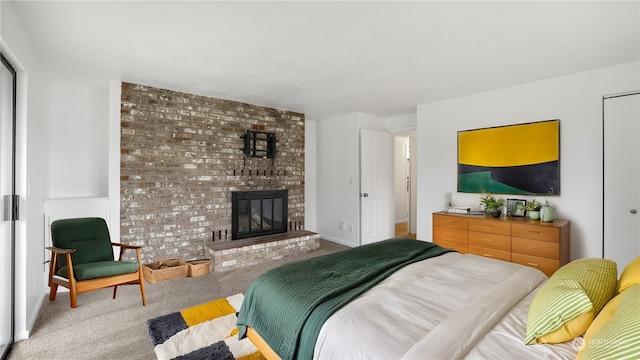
(487, 255)
(487, 240)
(533, 247)
(534, 232)
(533, 264)
(487, 226)
(448, 234)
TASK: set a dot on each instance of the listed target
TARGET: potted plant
(491, 205)
(533, 208)
(547, 211)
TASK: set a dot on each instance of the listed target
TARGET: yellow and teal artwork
(513, 159)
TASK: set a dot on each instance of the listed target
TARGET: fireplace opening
(257, 213)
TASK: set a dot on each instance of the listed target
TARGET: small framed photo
(517, 207)
(510, 206)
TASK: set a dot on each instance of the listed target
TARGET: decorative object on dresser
(459, 210)
(547, 211)
(542, 245)
(514, 205)
(491, 205)
(533, 209)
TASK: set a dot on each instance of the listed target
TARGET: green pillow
(567, 303)
(620, 337)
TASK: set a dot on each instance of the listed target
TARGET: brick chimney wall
(180, 160)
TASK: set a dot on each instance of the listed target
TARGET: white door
(376, 186)
(621, 179)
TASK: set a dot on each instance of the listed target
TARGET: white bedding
(450, 307)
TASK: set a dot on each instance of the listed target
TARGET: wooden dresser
(542, 245)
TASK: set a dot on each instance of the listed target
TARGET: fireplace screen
(256, 213)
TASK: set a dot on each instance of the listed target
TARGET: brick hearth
(232, 255)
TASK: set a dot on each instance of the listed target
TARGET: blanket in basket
(206, 331)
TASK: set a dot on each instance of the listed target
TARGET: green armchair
(82, 259)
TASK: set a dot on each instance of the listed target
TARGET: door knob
(633, 211)
(365, 195)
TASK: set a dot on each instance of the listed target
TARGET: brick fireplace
(182, 158)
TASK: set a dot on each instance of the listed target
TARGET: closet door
(621, 178)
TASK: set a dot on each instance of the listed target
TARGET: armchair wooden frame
(80, 286)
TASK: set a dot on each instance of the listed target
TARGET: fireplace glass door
(258, 213)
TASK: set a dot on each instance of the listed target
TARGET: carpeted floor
(103, 328)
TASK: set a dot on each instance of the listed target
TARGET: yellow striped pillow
(601, 320)
(630, 275)
(619, 338)
(567, 303)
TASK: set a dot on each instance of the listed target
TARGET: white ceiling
(330, 58)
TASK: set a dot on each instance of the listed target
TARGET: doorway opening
(405, 183)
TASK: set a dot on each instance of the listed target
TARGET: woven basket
(198, 267)
(164, 270)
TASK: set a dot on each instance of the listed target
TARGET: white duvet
(449, 307)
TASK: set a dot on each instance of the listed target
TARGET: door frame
(13, 205)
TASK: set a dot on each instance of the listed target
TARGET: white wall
(413, 221)
(575, 99)
(78, 141)
(97, 192)
(338, 175)
(31, 171)
(68, 146)
(400, 164)
(338, 178)
(310, 175)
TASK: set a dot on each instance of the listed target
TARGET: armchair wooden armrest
(126, 246)
(61, 251)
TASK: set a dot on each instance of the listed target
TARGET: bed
(438, 304)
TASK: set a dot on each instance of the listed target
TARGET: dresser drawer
(536, 232)
(492, 241)
(461, 248)
(543, 249)
(455, 222)
(547, 266)
(490, 253)
(454, 235)
(490, 226)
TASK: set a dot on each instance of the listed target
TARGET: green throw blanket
(288, 305)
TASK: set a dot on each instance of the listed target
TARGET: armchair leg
(115, 289)
(53, 291)
(73, 297)
(141, 278)
(73, 294)
(144, 296)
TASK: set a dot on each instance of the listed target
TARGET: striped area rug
(206, 331)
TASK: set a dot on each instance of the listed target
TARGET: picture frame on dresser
(511, 205)
(518, 208)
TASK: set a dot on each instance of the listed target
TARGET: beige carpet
(103, 328)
